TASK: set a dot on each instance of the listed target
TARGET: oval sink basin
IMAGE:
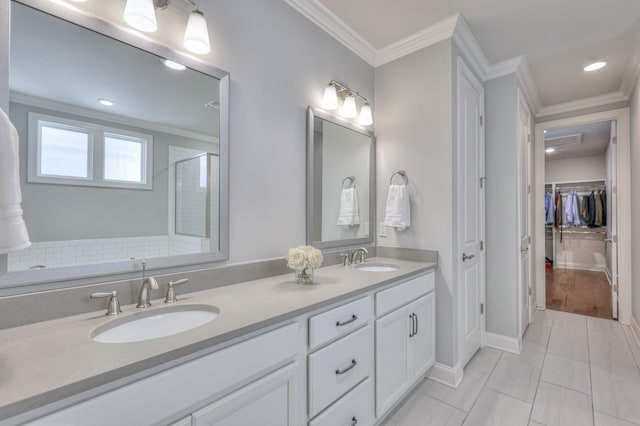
(154, 324)
(376, 267)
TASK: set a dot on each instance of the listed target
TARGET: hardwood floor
(579, 292)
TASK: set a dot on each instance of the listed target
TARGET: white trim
(468, 45)
(509, 66)
(607, 273)
(584, 103)
(520, 67)
(504, 343)
(624, 199)
(450, 376)
(335, 27)
(580, 266)
(429, 36)
(57, 107)
(632, 71)
(635, 329)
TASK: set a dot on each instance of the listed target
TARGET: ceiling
(54, 60)
(558, 38)
(578, 141)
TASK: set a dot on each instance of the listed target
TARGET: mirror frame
(312, 113)
(19, 282)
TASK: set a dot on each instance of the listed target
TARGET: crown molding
(436, 33)
(632, 72)
(528, 86)
(469, 47)
(579, 104)
(335, 27)
(510, 66)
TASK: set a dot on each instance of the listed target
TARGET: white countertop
(48, 361)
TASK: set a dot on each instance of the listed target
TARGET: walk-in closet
(579, 250)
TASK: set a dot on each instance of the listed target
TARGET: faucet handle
(171, 292)
(345, 259)
(113, 308)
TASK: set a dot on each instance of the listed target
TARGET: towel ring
(401, 173)
(350, 178)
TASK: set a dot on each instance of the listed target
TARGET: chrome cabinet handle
(417, 322)
(354, 421)
(465, 257)
(412, 325)
(349, 321)
(353, 364)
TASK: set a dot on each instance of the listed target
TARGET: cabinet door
(267, 402)
(422, 342)
(392, 333)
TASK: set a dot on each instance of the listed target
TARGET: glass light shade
(349, 107)
(196, 36)
(365, 115)
(141, 15)
(330, 100)
(595, 66)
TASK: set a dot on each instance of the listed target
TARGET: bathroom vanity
(342, 351)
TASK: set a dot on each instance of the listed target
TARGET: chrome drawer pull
(354, 421)
(353, 318)
(353, 364)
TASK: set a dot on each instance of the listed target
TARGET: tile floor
(573, 371)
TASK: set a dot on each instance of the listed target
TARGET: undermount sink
(154, 324)
(376, 267)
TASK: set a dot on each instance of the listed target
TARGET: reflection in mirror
(340, 179)
(124, 156)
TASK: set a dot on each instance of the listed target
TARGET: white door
(470, 210)
(612, 217)
(524, 225)
(392, 333)
(422, 338)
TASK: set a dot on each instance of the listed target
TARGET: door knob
(466, 257)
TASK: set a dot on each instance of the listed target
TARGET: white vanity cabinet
(405, 338)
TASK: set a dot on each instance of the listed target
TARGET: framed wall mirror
(124, 151)
(340, 182)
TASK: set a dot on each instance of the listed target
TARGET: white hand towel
(349, 213)
(13, 231)
(398, 212)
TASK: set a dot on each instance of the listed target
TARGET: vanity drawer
(339, 367)
(395, 297)
(355, 407)
(339, 321)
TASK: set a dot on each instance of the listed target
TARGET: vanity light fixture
(336, 90)
(141, 15)
(595, 66)
(173, 65)
(106, 102)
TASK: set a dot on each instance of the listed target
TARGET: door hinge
(528, 189)
(614, 238)
(481, 308)
(529, 137)
(481, 120)
(529, 239)
(482, 182)
(614, 140)
(615, 288)
(530, 291)
(481, 245)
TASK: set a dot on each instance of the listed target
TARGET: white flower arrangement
(304, 259)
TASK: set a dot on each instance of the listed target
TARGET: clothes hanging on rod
(572, 210)
(549, 209)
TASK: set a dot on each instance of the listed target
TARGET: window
(70, 152)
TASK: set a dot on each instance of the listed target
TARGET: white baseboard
(580, 267)
(635, 329)
(450, 376)
(504, 343)
(608, 275)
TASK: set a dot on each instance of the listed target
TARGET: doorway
(582, 181)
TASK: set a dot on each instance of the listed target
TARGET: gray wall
(501, 162)
(635, 202)
(414, 133)
(590, 167)
(65, 212)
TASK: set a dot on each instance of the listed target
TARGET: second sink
(155, 324)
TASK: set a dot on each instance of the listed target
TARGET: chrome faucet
(147, 283)
(359, 251)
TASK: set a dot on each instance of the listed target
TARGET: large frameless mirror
(340, 182)
(123, 150)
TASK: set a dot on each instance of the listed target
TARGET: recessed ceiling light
(545, 131)
(106, 102)
(173, 65)
(595, 66)
(549, 150)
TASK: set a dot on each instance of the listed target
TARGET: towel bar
(401, 173)
(352, 179)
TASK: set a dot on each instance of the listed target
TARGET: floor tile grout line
(483, 387)
(633, 357)
(546, 351)
(593, 409)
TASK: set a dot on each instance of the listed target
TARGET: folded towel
(349, 213)
(13, 231)
(398, 212)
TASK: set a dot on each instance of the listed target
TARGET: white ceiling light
(330, 99)
(349, 107)
(365, 115)
(106, 102)
(336, 90)
(141, 15)
(595, 66)
(549, 150)
(173, 65)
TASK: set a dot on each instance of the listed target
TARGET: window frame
(96, 153)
